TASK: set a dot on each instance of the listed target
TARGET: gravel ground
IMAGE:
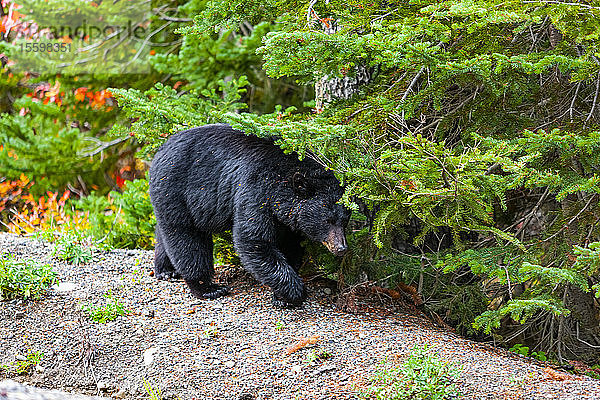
(234, 347)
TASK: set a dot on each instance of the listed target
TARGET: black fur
(213, 178)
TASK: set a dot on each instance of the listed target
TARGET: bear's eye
(300, 185)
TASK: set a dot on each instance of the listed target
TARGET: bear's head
(316, 210)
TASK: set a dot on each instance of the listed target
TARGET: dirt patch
(236, 347)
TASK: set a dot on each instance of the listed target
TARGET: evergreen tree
(480, 117)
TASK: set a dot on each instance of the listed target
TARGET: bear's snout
(336, 241)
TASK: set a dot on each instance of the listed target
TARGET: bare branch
(595, 98)
(572, 219)
(102, 146)
(412, 83)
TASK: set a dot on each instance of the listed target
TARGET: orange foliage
(80, 93)
(95, 99)
(30, 214)
(555, 375)
(10, 191)
(47, 94)
(412, 292)
(12, 19)
(302, 343)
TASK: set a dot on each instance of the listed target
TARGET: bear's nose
(336, 241)
(341, 248)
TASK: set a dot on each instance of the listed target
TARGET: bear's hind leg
(193, 255)
(163, 268)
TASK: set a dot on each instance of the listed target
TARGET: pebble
(39, 369)
(101, 385)
(324, 368)
(148, 313)
(297, 368)
(149, 355)
(121, 394)
(327, 291)
(64, 287)
(20, 357)
(229, 364)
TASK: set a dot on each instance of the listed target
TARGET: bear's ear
(300, 184)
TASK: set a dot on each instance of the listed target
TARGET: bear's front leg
(268, 265)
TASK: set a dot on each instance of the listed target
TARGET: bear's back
(201, 172)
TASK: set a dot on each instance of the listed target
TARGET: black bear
(214, 178)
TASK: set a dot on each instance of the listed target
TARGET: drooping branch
(101, 146)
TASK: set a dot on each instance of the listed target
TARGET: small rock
(101, 385)
(297, 368)
(149, 355)
(39, 369)
(121, 394)
(139, 332)
(19, 315)
(64, 287)
(327, 291)
(246, 396)
(324, 368)
(19, 357)
(148, 313)
(230, 364)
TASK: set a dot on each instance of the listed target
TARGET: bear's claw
(166, 275)
(280, 303)
(206, 291)
(215, 291)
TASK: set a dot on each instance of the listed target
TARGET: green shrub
(223, 251)
(26, 279)
(122, 220)
(423, 375)
(107, 312)
(74, 247)
(22, 367)
(43, 145)
(524, 351)
(32, 359)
